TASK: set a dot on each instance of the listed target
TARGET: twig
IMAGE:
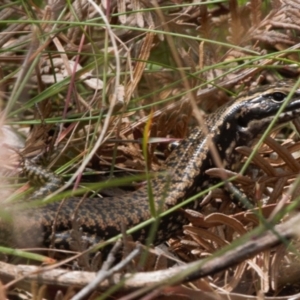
(247, 246)
(104, 274)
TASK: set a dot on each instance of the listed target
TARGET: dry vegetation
(81, 81)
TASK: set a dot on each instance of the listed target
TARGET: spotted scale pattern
(232, 125)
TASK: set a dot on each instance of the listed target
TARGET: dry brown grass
(94, 77)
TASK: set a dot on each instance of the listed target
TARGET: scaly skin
(235, 124)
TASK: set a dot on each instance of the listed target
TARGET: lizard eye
(278, 96)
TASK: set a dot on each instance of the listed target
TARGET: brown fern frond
(205, 22)
(80, 64)
(294, 15)
(273, 37)
(236, 26)
(255, 12)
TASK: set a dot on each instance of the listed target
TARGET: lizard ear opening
(242, 122)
